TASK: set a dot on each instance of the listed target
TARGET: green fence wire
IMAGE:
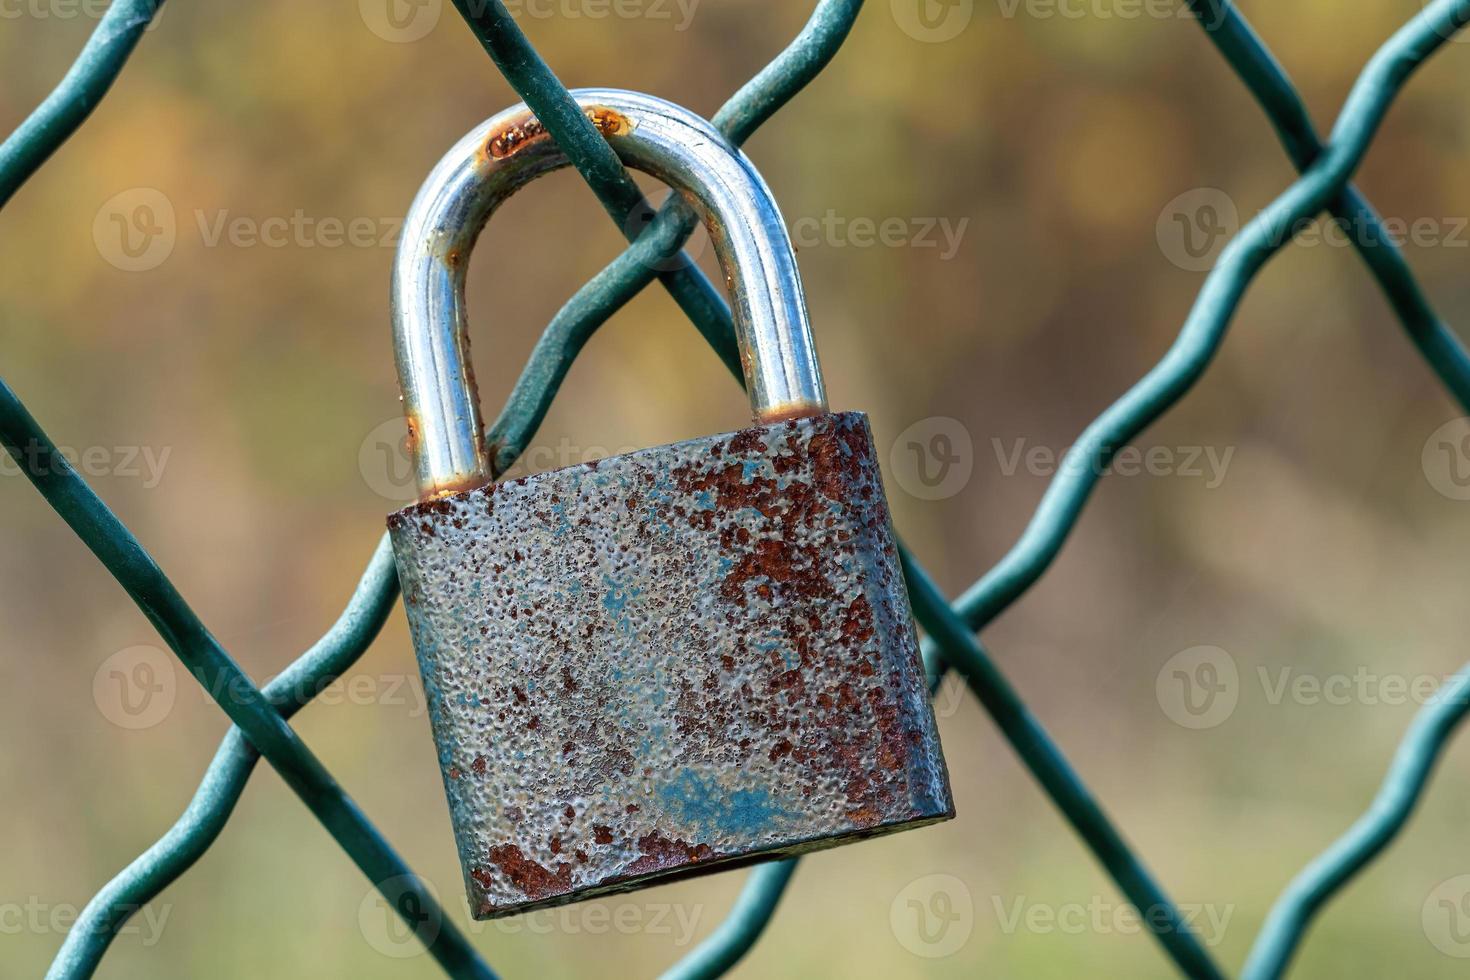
(261, 716)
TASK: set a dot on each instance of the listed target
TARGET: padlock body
(669, 662)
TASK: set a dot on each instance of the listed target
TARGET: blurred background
(1002, 214)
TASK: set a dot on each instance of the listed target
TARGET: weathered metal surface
(657, 664)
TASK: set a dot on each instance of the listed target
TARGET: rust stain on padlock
(516, 134)
(670, 662)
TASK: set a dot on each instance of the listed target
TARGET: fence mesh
(260, 716)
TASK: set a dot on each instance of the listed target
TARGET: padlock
(674, 661)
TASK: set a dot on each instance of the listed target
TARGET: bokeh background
(1056, 140)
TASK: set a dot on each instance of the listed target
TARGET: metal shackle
(430, 323)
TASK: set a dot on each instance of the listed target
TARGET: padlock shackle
(503, 154)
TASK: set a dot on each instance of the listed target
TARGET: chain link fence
(261, 715)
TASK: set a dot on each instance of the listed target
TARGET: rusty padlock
(673, 661)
